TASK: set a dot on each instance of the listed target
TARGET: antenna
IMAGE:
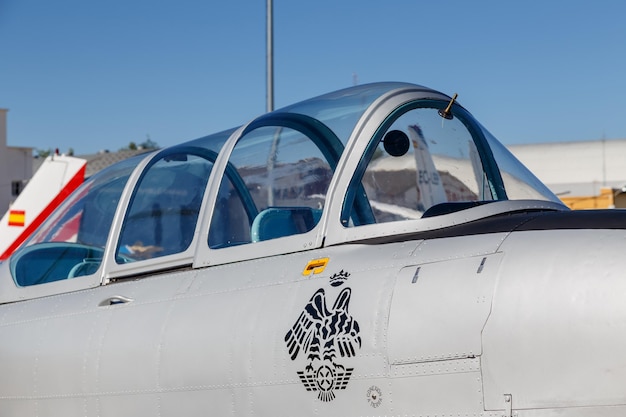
(447, 114)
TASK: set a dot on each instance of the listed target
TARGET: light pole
(270, 57)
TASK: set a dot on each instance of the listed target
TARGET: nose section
(556, 335)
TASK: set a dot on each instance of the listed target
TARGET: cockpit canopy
(371, 160)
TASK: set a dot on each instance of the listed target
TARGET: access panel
(439, 309)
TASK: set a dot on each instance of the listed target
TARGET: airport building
(584, 174)
(16, 166)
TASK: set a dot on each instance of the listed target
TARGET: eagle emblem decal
(324, 335)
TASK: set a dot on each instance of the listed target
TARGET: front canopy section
(427, 158)
(379, 154)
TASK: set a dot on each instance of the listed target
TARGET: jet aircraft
(374, 251)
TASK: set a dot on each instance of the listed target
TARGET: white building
(16, 166)
(572, 169)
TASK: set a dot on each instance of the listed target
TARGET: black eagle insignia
(323, 335)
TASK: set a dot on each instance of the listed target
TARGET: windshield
(420, 164)
(519, 182)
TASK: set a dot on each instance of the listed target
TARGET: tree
(42, 153)
(148, 143)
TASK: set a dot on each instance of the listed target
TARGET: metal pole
(270, 57)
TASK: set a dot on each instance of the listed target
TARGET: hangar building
(585, 174)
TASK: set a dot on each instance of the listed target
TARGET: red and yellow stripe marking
(17, 218)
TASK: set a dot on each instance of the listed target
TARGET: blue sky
(92, 75)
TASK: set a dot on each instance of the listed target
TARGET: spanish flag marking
(17, 218)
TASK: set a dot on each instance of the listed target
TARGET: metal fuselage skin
(499, 309)
(448, 325)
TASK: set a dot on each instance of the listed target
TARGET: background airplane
(55, 179)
